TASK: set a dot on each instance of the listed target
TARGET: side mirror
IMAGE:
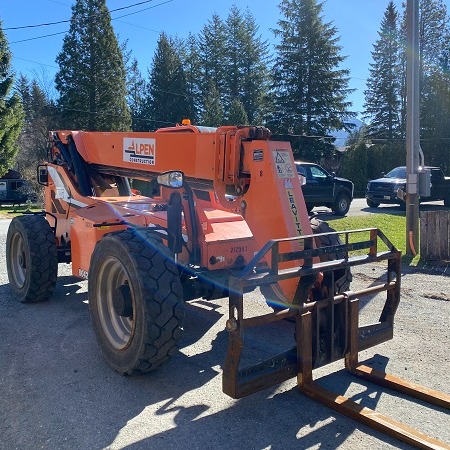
(42, 175)
(333, 175)
(382, 174)
(173, 179)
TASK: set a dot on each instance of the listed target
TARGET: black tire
(342, 277)
(31, 258)
(342, 204)
(135, 301)
(342, 280)
(372, 204)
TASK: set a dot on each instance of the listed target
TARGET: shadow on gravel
(277, 420)
(61, 395)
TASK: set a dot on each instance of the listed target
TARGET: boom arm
(241, 161)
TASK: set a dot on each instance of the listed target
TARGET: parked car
(323, 189)
(384, 189)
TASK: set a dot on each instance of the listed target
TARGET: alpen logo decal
(139, 150)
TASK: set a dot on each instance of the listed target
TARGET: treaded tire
(372, 204)
(143, 338)
(342, 277)
(342, 204)
(31, 258)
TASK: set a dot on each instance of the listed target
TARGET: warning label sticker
(258, 155)
(283, 164)
(139, 150)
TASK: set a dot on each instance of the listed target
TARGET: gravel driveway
(57, 393)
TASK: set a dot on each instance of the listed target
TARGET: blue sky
(357, 21)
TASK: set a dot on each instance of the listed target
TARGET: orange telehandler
(225, 216)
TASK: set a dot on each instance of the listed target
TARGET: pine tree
(190, 59)
(247, 75)
(136, 86)
(212, 115)
(309, 86)
(236, 113)
(11, 110)
(433, 35)
(92, 79)
(40, 117)
(382, 96)
(167, 101)
(434, 82)
(212, 54)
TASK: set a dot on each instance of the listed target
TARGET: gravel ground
(57, 393)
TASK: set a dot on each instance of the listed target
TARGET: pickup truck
(323, 189)
(384, 190)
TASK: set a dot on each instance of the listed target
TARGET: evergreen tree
(191, 63)
(167, 99)
(309, 87)
(212, 55)
(237, 114)
(11, 110)
(247, 75)
(91, 79)
(434, 82)
(212, 115)
(382, 105)
(435, 120)
(433, 35)
(137, 87)
(40, 117)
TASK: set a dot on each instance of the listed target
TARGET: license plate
(386, 197)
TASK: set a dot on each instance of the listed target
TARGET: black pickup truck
(323, 189)
(384, 190)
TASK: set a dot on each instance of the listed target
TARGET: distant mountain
(341, 135)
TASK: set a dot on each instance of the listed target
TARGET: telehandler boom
(224, 215)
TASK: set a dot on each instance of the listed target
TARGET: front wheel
(372, 204)
(135, 301)
(31, 258)
(342, 204)
(342, 277)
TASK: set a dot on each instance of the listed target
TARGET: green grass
(12, 211)
(393, 226)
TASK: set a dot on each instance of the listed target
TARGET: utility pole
(412, 128)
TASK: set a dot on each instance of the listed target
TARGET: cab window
(318, 174)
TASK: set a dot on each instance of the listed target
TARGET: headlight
(368, 186)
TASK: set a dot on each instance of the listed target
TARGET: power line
(115, 18)
(35, 62)
(38, 37)
(66, 21)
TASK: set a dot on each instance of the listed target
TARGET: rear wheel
(31, 258)
(372, 204)
(135, 301)
(342, 204)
